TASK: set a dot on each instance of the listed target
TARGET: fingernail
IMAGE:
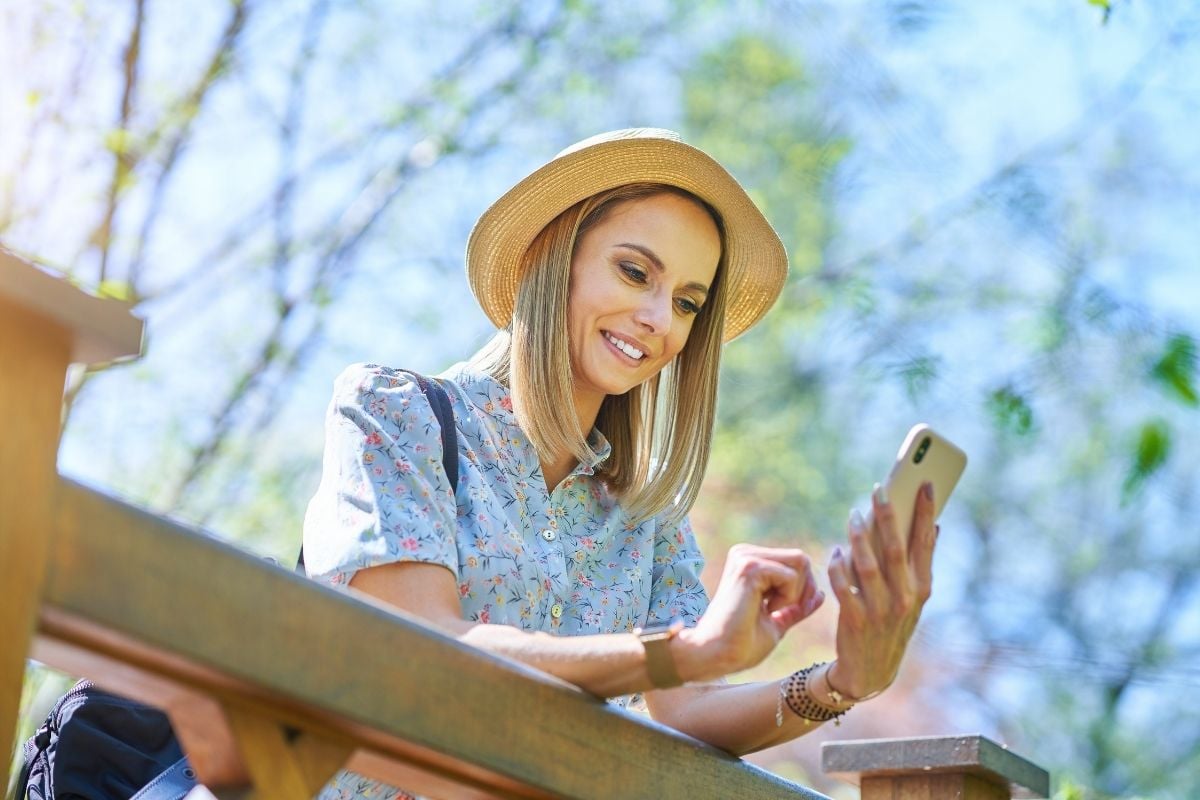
(880, 494)
(837, 553)
(856, 520)
(927, 487)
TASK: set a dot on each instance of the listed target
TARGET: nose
(654, 312)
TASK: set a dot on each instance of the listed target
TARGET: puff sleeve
(676, 592)
(384, 496)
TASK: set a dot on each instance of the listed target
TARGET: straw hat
(755, 259)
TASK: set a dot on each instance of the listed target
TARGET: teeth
(625, 347)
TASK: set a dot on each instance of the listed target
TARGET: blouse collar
(498, 405)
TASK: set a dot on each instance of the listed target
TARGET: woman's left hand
(881, 586)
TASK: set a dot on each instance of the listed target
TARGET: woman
(614, 272)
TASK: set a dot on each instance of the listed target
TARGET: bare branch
(124, 162)
(357, 219)
(187, 110)
(352, 147)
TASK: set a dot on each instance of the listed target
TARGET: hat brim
(755, 258)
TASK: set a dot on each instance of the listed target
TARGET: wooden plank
(967, 755)
(957, 786)
(341, 661)
(33, 365)
(128, 667)
(98, 329)
(318, 759)
(198, 719)
(268, 756)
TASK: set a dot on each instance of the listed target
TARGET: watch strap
(660, 664)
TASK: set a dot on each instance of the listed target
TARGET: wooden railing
(272, 681)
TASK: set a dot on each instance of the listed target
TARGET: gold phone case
(924, 456)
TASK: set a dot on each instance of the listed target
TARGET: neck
(558, 466)
(587, 408)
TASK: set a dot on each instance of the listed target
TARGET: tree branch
(125, 162)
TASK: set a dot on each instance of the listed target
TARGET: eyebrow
(657, 262)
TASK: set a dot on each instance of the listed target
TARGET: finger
(894, 543)
(924, 535)
(785, 614)
(839, 581)
(793, 557)
(807, 592)
(788, 616)
(808, 600)
(875, 593)
(778, 583)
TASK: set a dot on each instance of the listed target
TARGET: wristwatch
(659, 662)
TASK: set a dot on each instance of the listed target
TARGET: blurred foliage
(1072, 489)
(1150, 453)
(749, 103)
(1176, 369)
(289, 190)
(1010, 411)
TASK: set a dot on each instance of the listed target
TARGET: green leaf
(118, 141)
(1150, 453)
(919, 374)
(1069, 789)
(1106, 5)
(1175, 371)
(1010, 411)
(117, 290)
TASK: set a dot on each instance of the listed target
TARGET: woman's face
(638, 278)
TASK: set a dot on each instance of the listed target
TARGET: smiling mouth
(625, 347)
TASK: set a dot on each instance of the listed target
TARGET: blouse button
(549, 535)
(556, 611)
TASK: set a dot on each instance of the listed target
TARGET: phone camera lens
(921, 450)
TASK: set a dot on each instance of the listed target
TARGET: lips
(624, 346)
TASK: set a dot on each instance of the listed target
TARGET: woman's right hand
(763, 592)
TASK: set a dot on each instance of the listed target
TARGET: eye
(687, 306)
(633, 272)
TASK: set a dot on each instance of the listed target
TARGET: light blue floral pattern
(566, 561)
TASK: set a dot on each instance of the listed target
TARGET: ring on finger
(855, 590)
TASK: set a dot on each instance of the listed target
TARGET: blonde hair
(660, 431)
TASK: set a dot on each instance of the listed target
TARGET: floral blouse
(566, 560)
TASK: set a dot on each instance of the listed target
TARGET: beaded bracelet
(795, 692)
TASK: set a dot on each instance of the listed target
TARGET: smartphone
(924, 456)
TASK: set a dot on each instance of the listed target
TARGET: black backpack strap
(174, 783)
(439, 401)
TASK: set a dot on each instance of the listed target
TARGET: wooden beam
(192, 696)
(319, 759)
(98, 329)
(932, 787)
(45, 323)
(934, 768)
(273, 766)
(33, 365)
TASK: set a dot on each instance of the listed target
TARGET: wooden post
(45, 324)
(283, 767)
(934, 768)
